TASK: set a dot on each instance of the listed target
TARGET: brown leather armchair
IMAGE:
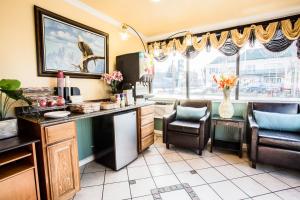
(279, 148)
(189, 134)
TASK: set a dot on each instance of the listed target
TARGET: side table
(237, 122)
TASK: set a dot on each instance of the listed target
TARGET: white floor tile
(267, 168)
(206, 153)
(230, 172)
(140, 161)
(116, 176)
(164, 150)
(89, 193)
(138, 172)
(270, 182)
(250, 187)
(180, 166)
(94, 167)
(211, 175)
(154, 159)
(92, 179)
(81, 169)
(231, 158)
(198, 163)
(270, 196)
(175, 195)
(160, 169)
(215, 161)
(204, 192)
(142, 187)
(290, 177)
(191, 179)
(167, 180)
(172, 157)
(116, 191)
(247, 169)
(149, 197)
(290, 194)
(185, 154)
(228, 190)
(150, 151)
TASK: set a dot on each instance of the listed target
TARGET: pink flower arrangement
(113, 80)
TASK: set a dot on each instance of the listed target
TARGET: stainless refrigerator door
(125, 128)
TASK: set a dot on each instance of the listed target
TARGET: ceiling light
(156, 1)
(124, 34)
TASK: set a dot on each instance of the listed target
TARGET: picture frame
(62, 44)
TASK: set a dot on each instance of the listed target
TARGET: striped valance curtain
(276, 37)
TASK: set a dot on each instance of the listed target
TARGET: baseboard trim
(86, 160)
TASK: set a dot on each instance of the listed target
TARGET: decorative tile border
(185, 186)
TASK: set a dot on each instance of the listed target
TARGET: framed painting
(63, 44)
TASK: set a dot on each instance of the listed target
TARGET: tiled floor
(213, 176)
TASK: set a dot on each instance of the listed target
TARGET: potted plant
(113, 80)
(226, 83)
(10, 92)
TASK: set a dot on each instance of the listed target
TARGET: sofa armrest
(166, 120)
(204, 130)
(169, 117)
(205, 118)
(254, 139)
(252, 122)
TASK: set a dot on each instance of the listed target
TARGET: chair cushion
(190, 113)
(184, 126)
(277, 121)
(286, 140)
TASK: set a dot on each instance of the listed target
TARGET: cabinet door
(63, 169)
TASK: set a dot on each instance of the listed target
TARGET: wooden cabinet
(62, 159)
(57, 155)
(63, 169)
(145, 127)
(18, 170)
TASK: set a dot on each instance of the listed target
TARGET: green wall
(85, 137)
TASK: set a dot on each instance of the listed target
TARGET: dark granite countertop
(76, 116)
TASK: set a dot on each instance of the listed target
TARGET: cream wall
(17, 43)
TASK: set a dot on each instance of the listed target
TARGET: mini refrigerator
(115, 139)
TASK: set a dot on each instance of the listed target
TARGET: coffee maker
(138, 71)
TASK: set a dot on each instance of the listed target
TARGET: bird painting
(87, 55)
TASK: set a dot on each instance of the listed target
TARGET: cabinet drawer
(147, 119)
(60, 132)
(21, 186)
(146, 110)
(147, 141)
(147, 130)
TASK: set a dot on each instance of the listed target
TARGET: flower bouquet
(113, 80)
(226, 83)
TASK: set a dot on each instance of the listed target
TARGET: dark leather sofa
(271, 146)
(188, 134)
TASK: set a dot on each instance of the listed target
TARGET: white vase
(226, 109)
(8, 128)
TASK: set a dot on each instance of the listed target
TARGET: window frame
(236, 89)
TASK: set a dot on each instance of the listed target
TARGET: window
(201, 70)
(170, 77)
(265, 75)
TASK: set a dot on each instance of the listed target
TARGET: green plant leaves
(9, 84)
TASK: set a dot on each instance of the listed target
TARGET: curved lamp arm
(125, 26)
